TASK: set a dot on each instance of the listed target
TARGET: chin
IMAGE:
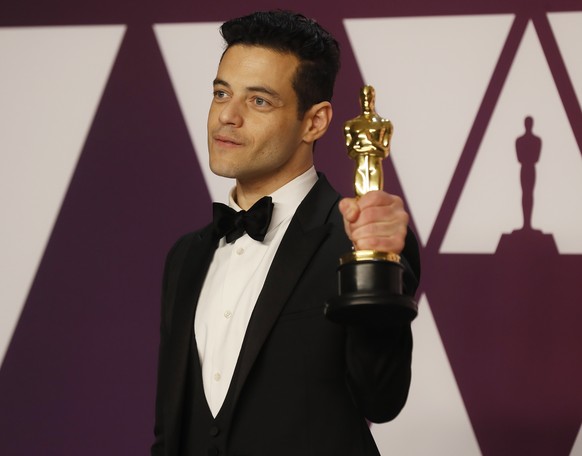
(223, 171)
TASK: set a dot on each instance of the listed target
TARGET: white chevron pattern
(52, 82)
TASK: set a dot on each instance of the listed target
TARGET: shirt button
(217, 376)
(227, 314)
(240, 251)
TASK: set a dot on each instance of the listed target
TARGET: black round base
(371, 293)
(371, 309)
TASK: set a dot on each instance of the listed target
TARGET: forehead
(251, 66)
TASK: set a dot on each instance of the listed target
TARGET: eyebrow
(260, 89)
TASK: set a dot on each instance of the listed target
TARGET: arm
(378, 358)
(378, 361)
(158, 447)
(171, 270)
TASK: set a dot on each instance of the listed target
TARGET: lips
(226, 140)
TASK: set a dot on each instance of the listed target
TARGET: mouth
(226, 141)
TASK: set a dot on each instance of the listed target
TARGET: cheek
(212, 118)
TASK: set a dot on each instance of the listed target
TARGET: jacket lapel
(306, 232)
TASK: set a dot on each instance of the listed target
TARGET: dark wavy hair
(285, 31)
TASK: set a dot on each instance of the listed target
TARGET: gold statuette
(370, 282)
(368, 142)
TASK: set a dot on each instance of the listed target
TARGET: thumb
(349, 209)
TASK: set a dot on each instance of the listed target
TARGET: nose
(230, 113)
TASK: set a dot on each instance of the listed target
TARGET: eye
(261, 101)
(219, 94)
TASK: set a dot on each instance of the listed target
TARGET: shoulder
(180, 248)
(321, 203)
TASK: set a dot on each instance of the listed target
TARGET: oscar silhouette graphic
(528, 148)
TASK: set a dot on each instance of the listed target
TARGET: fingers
(350, 209)
(376, 221)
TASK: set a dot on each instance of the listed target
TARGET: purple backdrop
(79, 374)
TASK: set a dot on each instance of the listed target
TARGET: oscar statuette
(370, 282)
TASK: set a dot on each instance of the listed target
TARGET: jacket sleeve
(170, 277)
(379, 358)
(158, 447)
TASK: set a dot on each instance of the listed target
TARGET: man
(248, 363)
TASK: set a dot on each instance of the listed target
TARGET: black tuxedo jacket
(302, 385)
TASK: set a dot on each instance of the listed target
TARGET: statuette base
(370, 294)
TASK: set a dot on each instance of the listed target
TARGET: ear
(317, 120)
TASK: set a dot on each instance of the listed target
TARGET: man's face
(254, 134)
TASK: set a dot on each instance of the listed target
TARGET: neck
(248, 192)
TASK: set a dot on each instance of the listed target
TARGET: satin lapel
(193, 272)
(307, 231)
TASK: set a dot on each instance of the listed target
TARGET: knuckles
(381, 221)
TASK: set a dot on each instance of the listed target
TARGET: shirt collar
(286, 198)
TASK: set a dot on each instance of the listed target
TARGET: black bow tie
(232, 224)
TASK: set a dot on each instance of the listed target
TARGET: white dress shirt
(231, 288)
